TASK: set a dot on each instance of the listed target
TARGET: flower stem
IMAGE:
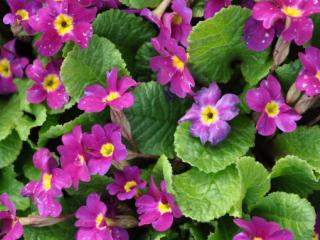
(161, 8)
(38, 221)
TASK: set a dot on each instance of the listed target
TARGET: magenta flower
(127, 183)
(21, 11)
(48, 84)
(157, 207)
(171, 66)
(214, 6)
(317, 228)
(62, 21)
(100, 4)
(309, 77)
(210, 113)
(258, 229)
(73, 157)
(270, 15)
(97, 98)
(103, 146)
(45, 191)
(10, 67)
(11, 228)
(268, 100)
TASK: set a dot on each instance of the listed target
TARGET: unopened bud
(305, 103)
(293, 94)
(125, 221)
(280, 53)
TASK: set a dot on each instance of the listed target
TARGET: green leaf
(290, 211)
(217, 42)
(255, 180)
(127, 31)
(163, 171)
(225, 229)
(12, 186)
(141, 3)
(209, 158)
(142, 66)
(193, 232)
(291, 174)
(204, 197)
(288, 73)
(153, 119)
(83, 67)
(10, 149)
(198, 8)
(303, 143)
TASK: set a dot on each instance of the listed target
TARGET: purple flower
(214, 6)
(97, 98)
(268, 100)
(317, 228)
(21, 11)
(210, 113)
(10, 67)
(45, 191)
(309, 77)
(62, 21)
(100, 4)
(11, 228)
(258, 229)
(73, 157)
(92, 221)
(48, 84)
(171, 66)
(127, 183)
(103, 146)
(157, 207)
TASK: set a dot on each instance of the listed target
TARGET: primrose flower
(21, 11)
(127, 183)
(73, 157)
(45, 191)
(268, 100)
(309, 77)
(11, 228)
(214, 6)
(171, 66)
(317, 228)
(103, 146)
(210, 113)
(116, 95)
(258, 229)
(10, 67)
(100, 4)
(48, 84)
(157, 207)
(62, 21)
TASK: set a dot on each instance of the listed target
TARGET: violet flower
(73, 157)
(48, 85)
(116, 96)
(10, 67)
(260, 229)
(127, 183)
(210, 113)
(45, 191)
(11, 228)
(104, 146)
(171, 66)
(62, 21)
(157, 207)
(268, 100)
(100, 4)
(214, 6)
(309, 77)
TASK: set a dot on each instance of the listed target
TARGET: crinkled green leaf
(153, 119)
(163, 171)
(86, 66)
(10, 149)
(293, 175)
(215, 44)
(209, 158)
(204, 197)
(142, 67)
(290, 211)
(141, 3)
(288, 73)
(303, 142)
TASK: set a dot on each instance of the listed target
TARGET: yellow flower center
(292, 11)
(257, 238)
(24, 14)
(272, 109)
(107, 149)
(46, 181)
(177, 20)
(112, 96)
(318, 75)
(164, 208)
(5, 69)
(99, 220)
(129, 185)
(177, 63)
(63, 24)
(209, 115)
(315, 236)
(51, 82)
(81, 159)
